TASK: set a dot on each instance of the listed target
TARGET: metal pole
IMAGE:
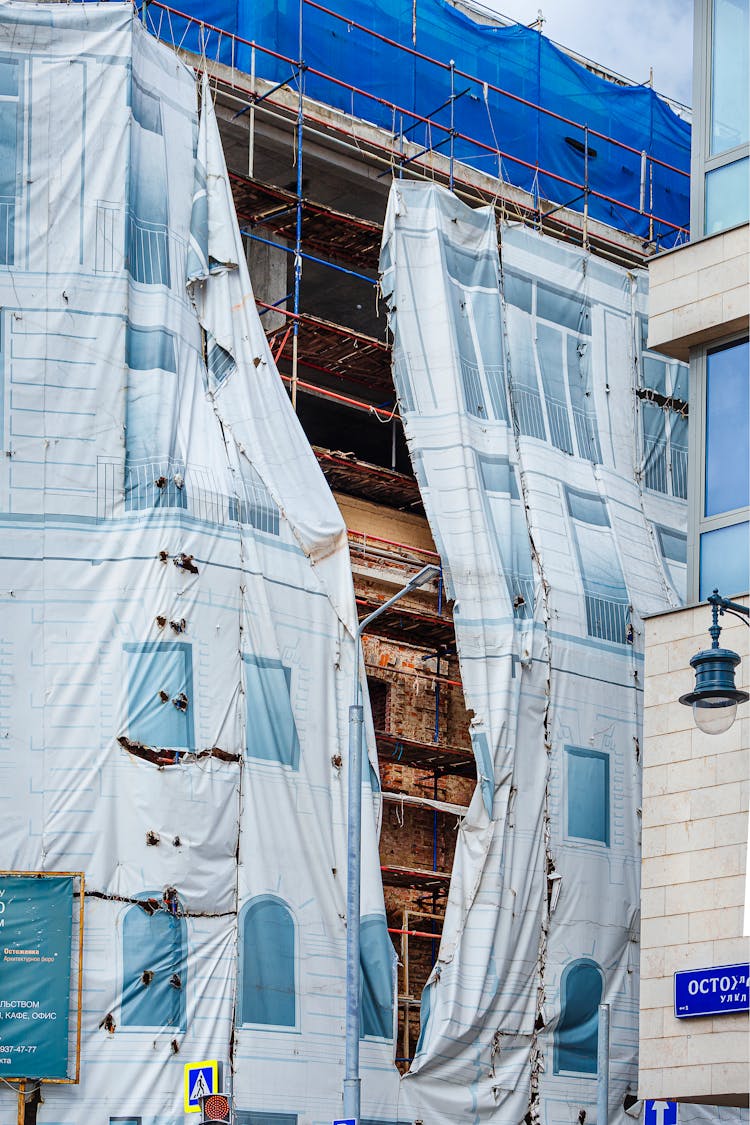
(602, 1067)
(298, 237)
(251, 115)
(352, 1081)
(585, 187)
(453, 99)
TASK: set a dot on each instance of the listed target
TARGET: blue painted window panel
(220, 363)
(153, 667)
(271, 729)
(155, 943)
(267, 993)
(654, 374)
(148, 244)
(258, 1117)
(376, 978)
(566, 309)
(149, 349)
(673, 545)
(725, 560)
(678, 441)
(587, 794)
(654, 447)
(125, 1121)
(507, 520)
(606, 596)
(524, 384)
(730, 75)
(424, 1015)
(581, 392)
(9, 148)
(578, 1030)
(518, 290)
(727, 429)
(549, 347)
(727, 196)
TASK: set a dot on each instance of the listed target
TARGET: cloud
(627, 37)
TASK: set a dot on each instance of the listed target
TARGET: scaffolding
(337, 366)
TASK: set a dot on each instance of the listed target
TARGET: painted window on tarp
(587, 786)
(663, 390)
(154, 475)
(10, 104)
(154, 973)
(502, 499)
(605, 593)
(148, 242)
(581, 391)
(424, 1015)
(376, 978)
(266, 990)
(271, 732)
(256, 507)
(549, 348)
(673, 548)
(472, 285)
(523, 382)
(577, 1032)
(160, 693)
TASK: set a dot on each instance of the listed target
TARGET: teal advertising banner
(36, 931)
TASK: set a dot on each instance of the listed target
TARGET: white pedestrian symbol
(200, 1089)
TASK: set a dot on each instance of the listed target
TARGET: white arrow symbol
(660, 1111)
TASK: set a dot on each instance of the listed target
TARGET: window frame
(702, 162)
(556, 1067)
(698, 523)
(274, 1028)
(587, 752)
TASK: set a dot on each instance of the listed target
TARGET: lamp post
(714, 698)
(352, 1082)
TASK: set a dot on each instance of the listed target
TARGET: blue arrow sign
(658, 1112)
(711, 992)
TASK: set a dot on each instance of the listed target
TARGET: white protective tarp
(176, 633)
(559, 514)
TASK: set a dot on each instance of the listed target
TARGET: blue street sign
(660, 1113)
(711, 992)
(346, 1121)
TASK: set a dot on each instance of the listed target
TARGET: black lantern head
(714, 699)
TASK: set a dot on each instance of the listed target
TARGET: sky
(628, 37)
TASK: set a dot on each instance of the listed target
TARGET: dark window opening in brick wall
(380, 703)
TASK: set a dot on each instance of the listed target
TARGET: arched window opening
(577, 1032)
(154, 974)
(267, 992)
(376, 977)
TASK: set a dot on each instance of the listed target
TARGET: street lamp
(353, 858)
(714, 699)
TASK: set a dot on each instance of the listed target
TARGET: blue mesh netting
(517, 59)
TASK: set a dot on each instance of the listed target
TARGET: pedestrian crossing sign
(201, 1079)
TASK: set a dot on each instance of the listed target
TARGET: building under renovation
(292, 303)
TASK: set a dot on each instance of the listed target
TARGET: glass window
(376, 958)
(271, 732)
(725, 560)
(727, 196)
(266, 993)
(578, 1030)
(154, 973)
(160, 693)
(587, 794)
(727, 429)
(730, 75)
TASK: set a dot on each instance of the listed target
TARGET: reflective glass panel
(730, 76)
(727, 428)
(725, 561)
(727, 196)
